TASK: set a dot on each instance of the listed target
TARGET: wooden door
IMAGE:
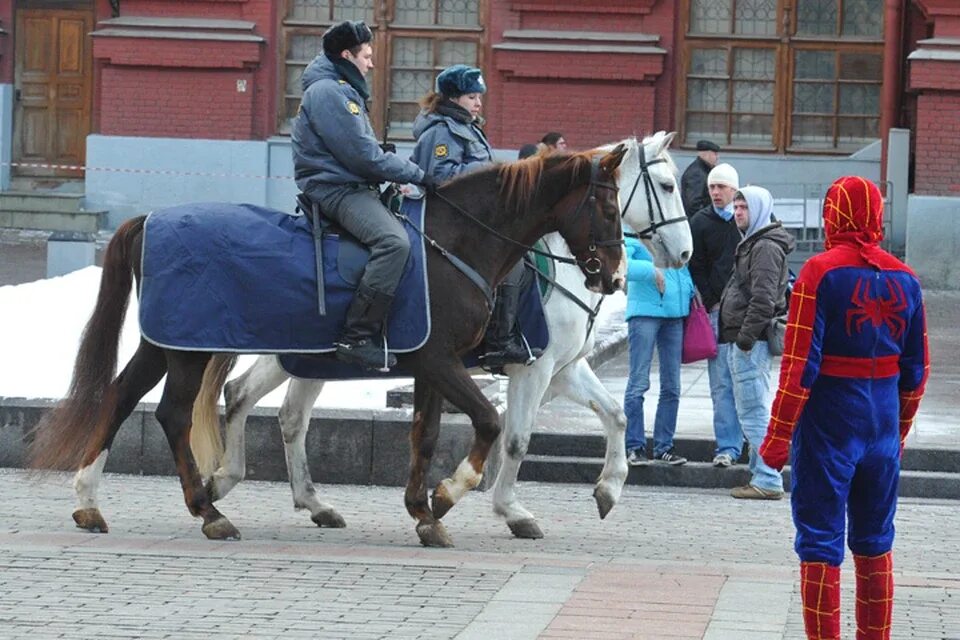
(53, 83)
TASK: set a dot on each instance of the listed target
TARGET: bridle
(592, 264)
(651, 193)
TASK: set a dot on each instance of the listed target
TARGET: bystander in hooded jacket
(756, 292)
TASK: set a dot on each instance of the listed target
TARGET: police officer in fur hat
(339, 164)
(450, 141)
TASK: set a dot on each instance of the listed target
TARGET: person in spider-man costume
(854, 369)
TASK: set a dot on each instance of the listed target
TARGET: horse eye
(667, 186)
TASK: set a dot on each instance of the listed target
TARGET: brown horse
(486, 218)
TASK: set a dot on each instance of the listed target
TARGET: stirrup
(358, 353)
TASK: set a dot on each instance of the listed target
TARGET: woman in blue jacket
(450, 142)
(657, 302)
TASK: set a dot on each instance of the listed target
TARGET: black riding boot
(503, 342)
(360, 342)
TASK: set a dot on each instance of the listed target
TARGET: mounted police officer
(450, 141)
(339, 165)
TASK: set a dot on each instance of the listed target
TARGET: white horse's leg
(85, 483)
(242, 394)
(294, 423)
(524, 395)
(578, 382)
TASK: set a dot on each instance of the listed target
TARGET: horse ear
(612, 160)
(665, 142)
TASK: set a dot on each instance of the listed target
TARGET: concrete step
(702, 450)
(41, 201)
(86, 221)
(586, 470)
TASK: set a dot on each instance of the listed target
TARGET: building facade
(153, 102)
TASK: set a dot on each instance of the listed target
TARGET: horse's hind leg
(578, 382)
(185, 375)
(140, 375)
(524, 395)
(294, 423)
(423, 441)
(241, 395)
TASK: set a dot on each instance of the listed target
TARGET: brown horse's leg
(456, 385)
(423, 442)
(140, 375)
(184, 377)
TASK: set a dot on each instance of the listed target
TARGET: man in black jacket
(693, 184)
(715, 240)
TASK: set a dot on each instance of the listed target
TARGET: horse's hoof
(91, 520)
(220, 529)
(329, 519)
(433, 534)
(440, 502)
(605, 501)
(526, 528)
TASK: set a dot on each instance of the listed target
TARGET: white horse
(651, 206)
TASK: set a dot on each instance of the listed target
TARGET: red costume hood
(853, 216)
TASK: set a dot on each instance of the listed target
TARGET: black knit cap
(346, 35)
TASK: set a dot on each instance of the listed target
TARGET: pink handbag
(699, 342)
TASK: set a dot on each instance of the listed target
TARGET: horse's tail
(205, 441)
(72, 433)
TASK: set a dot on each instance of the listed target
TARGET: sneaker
(723, 460)
(751, 492)
(636, 457)
(669, 457)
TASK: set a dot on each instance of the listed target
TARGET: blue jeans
(667, 335)
(726, 425)
(750, 371)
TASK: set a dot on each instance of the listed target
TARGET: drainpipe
(892, 80)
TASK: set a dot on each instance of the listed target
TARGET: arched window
(782, 75)
(413, 41)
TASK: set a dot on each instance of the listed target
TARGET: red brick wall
(938, 138)
(189, 88)
(166, 103)
(6, 43)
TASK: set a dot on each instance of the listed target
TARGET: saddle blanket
(241, 278)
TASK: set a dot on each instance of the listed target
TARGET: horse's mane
(520, 180)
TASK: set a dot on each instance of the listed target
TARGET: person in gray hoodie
(754, 295)
(450, 141)
(339, 165)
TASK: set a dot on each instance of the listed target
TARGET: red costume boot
(874, 596)
(820, 592)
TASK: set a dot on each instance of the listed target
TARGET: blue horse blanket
(241, 278)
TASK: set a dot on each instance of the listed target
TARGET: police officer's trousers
(357, 208)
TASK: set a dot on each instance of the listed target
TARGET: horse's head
(651, 199)
(589, 218)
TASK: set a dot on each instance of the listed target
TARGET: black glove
(428, 182)
(388, 147)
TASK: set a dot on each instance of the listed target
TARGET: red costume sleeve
(802, 344)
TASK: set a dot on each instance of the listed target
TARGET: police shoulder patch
(353, 107)
(440, 151)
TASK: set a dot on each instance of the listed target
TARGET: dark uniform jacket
(757, 290)
(693, 186)
(333, 142)
(715, 242)
(446, 146)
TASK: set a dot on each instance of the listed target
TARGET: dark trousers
(358, 209)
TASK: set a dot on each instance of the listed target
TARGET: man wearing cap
(339, 164)
(715, 240)
(693, 184)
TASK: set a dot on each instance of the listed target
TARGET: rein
(648, 189)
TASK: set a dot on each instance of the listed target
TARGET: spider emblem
(878, 310)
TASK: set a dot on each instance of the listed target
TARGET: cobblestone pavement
(665, 563)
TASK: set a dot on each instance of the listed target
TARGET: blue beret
(460, 79)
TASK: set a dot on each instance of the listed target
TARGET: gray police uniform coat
(447, 147)
(333, 142)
